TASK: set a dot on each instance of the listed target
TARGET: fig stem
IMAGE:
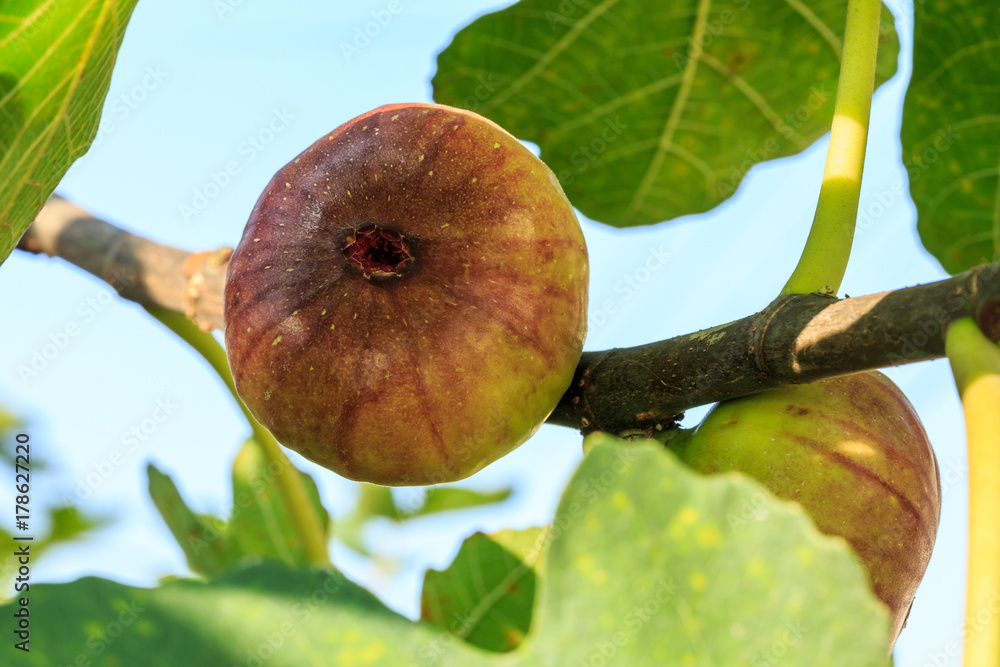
(824, 259)
(289, 481)
(975, 362)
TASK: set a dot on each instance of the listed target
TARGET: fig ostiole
(408, 300)
(852, 451)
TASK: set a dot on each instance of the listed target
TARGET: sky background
(198, 85)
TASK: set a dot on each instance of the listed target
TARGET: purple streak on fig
(852, 451)
(408, 300)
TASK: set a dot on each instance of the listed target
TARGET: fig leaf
(637, 128)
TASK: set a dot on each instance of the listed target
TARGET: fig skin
(408, 301)
(852, 451)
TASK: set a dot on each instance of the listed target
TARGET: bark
(140, 270)
(796, 339)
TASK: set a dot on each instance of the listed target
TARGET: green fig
(852, 451)
(408, 301)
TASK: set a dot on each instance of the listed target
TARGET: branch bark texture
(141, 270)
(798, 338)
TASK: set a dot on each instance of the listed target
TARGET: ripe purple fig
(852, 451)
(408, 301)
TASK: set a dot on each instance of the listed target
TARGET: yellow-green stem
(824, 260)
(293, 491)
(975, 362)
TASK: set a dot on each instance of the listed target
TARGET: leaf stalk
(289, 481)
(824, 259)
(975, 362)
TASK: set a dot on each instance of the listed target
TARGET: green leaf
(261, 524)
(637, 127)
(650, 563)
(202, 538)
(8, 421)
(447, 499)
(66, 524)
(56, 59)
(527, 544)
(647, 563)
(951, 145)
(267, 614)
(378, 502)
(485, 596)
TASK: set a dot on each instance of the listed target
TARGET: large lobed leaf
(951, 131)
(56, 58)
(646, 564)
(652, 564)
(267, 614)
(636, 124)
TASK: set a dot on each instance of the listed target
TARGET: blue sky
(201, 87)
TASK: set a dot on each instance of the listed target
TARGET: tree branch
(798, 338)
(141, 270)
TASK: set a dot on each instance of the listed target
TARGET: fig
(852, 451)
(408, 300)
